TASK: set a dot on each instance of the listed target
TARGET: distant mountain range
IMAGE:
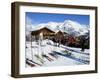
(71, 27)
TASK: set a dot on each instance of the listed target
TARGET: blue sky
(37, 18)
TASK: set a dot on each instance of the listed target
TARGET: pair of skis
(47, 57)
(32, 63)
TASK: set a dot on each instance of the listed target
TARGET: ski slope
(55, 56)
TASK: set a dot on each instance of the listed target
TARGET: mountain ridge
(68, 26)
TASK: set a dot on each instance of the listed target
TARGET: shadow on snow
(71, 57)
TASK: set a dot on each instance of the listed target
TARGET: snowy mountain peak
(73, 28)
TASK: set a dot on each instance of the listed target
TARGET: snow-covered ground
(55, 56)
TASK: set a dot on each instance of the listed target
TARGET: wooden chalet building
(46, 33)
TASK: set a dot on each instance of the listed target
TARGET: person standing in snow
(82, 42)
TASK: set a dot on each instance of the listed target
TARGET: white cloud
(30, 24)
